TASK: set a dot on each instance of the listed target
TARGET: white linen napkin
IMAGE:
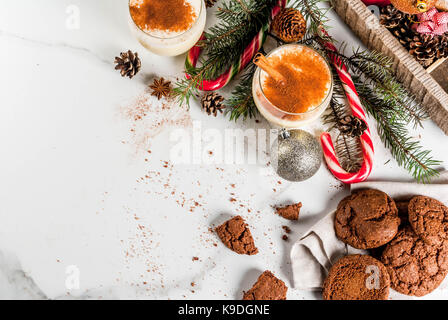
(314, 253)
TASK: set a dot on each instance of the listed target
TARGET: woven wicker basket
(430, 86)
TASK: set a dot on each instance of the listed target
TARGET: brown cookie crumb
(267, 287)
(290, 212)
(236, 235)
(195, 259)
(285, 238)
(286, 229)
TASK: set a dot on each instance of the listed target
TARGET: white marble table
(80, 194)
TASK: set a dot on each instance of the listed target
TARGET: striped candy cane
(357, 110)
(245, 58)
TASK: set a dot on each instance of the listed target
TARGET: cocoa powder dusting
(306, 85)
(166, 15)
(149, 117)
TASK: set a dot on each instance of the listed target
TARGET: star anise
(161, 88)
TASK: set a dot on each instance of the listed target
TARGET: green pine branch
(376, 70)
(392, 129)
(241, 104)
(314, 13)
(186, 89)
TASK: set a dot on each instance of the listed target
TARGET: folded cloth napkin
(314, 253)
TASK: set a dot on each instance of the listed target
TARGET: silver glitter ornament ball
(296, 155)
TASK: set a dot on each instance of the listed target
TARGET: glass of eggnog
(292, 86)
(167, 27)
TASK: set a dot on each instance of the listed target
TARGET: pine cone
(391, 17)
(352, 126)
(427, 49)
(442, 50)
(398, 23)
(289, 25)
(424, 48)
(129, 63)
(212, 103)
(210, 3)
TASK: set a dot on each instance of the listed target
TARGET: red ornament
(379, 3)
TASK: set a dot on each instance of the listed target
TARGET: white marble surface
(73, 190)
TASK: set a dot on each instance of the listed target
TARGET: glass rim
(330, 91)
(201, 9)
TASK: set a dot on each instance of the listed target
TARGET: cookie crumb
(285, 237)
(286, 229)
(267, 287)
(236, 235)
(195, 259)
(290, 212)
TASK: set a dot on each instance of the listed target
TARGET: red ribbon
(432, 22)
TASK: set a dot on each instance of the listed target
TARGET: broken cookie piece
(236, 235)
(267, 287)
(290, 212)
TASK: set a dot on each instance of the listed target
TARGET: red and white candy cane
(246, 57)
(358, 111)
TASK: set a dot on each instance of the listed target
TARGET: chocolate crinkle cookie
(267, 287)
(429, 219)
(236, 235)
(367, 219)
(415, 267)
(357, 277)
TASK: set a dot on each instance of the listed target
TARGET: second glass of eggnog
(303, 94)
(167, 27)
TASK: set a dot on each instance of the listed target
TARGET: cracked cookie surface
(415, 267)
(267, 287)
(357, 277)
(429, 219)
(236, 235)
(367, 219)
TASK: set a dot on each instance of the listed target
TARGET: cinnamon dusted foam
(307, 80)
(171, 16)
